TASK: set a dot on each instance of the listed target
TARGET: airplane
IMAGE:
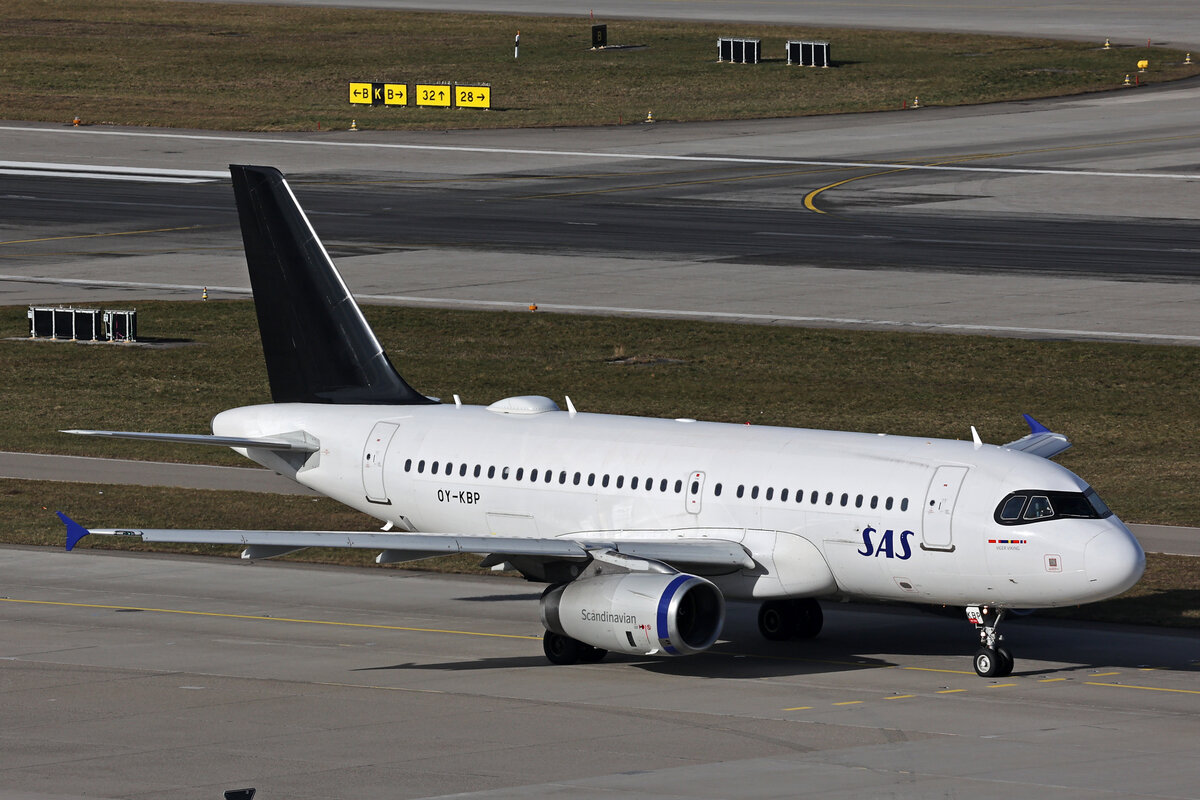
(641, 528)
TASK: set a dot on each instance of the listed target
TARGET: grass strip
(258, 67)
(1130, 409)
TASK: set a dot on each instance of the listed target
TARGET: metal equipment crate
(808, 54)
(739, 51)
(82, 324)
(65, 322)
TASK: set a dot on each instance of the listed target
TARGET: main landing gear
(796, 618)
(565, 650)
(992, 659)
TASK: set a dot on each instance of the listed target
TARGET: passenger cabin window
(520, 472)
(462, 470)
(620, 481)
(478, 469)
(633, 482)
(754, 493)
(1037, 505)
(741, 490)
(783, 493)
(408, 465)
(421, 466)
(770, 492)
(491, 472)
(716, 490)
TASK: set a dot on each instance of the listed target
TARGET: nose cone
(1113, 561)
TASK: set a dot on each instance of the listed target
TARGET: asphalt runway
(152, 677)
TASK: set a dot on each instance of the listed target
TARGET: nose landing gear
(795, 618)
(992, 659)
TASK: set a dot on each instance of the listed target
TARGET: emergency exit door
(374, 456)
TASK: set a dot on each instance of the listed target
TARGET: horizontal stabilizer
(1040, 441)
(297, 442)
(410, 546)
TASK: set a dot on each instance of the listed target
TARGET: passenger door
(937, 525)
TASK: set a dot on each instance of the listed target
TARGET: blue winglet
(75, 531)
(1034, 425)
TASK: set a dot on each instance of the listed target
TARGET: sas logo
(886, 544)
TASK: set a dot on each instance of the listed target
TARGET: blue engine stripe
(664, 603)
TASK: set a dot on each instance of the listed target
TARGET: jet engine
(654, 610)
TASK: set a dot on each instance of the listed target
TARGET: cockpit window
(1011, 510)
(1038, 505)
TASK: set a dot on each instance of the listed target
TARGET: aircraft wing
(395, 547)
(1040, 441)
(296, 442)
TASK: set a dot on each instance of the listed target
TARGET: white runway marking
(720, 316)
(1179, 176)
(141, 174)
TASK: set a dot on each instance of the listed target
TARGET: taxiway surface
(1066, 218)
(173, 677)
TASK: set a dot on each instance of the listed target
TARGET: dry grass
(1130, 409)
(251, 67)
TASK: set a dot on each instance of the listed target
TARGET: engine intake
(637, 613)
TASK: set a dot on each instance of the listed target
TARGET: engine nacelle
(637, 613)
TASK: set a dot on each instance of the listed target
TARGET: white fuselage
(823, 513)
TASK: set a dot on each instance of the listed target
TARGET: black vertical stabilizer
(318, 346)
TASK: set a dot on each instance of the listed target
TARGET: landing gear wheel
(987, 663)
(992, 659)
(1005, 657)
(808, 618)
(562, 649)
(591, 655)
(774, 621)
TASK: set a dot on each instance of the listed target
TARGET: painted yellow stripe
(101, 235)
(950, 691)
(268, 619)
(375, 686)
(1000, 685)
(899, 696)
(849, 703)
(931, 669)
(1050, 680)
(812, 196)
(1143, 688)
(1104, 674)
(799, 708)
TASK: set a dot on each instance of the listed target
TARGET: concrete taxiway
(170, 677)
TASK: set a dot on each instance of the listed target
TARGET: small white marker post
(517, 46)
